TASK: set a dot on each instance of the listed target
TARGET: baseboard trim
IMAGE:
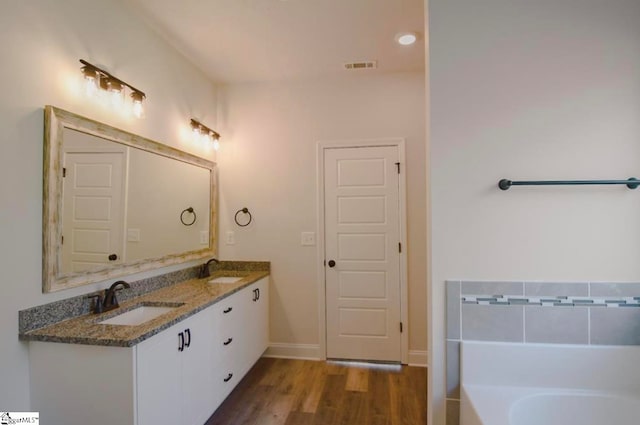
(418, 358)
(293, 351)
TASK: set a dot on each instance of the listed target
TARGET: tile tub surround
(49, 314)
(188, 298)
(536, 312)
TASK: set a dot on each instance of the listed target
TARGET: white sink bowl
(137, 316)
(226, 279)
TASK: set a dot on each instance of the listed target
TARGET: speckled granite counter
(188, 297)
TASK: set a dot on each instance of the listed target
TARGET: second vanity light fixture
(98, 79)
(202, 131)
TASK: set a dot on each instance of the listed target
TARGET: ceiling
(265, 40)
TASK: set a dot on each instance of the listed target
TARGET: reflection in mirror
(120, 204)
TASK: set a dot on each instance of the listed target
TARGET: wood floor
(299, 392)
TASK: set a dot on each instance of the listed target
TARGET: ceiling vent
(361, 65)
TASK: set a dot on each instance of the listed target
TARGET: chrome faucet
(204, 271)
(110, 300)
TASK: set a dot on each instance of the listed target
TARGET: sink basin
(226, 279)
(137, 316)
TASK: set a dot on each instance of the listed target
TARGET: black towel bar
(505, 184)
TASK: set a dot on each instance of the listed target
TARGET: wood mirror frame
(53, 278)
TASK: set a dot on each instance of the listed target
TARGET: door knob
(332, 263)
(113, 257)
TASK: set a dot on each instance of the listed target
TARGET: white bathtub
(545, 384)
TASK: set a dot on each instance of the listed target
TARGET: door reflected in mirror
(121, 203)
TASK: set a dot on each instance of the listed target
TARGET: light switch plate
(308, 238)
(204, 237)
(231, 237)
(133, 235)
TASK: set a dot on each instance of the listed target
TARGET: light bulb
(116, 92)
(216, 144)
(138, 107)
(90, 81)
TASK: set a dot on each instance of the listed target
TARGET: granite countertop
(188, 297)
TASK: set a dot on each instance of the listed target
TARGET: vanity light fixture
(201, 130)
(97, 79)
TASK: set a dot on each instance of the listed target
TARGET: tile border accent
(550, 301)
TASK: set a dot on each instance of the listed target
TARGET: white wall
(41, 42)
(267, 162)
(546, 89)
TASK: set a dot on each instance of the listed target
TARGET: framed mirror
(115, 203)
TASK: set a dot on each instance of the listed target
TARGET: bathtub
(535, 384)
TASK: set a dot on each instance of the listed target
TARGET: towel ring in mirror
(188, 210)
(244, 210)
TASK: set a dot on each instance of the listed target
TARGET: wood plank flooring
(300, 392)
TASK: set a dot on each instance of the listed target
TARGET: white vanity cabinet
(178, 376)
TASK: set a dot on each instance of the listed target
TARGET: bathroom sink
(137, 316)
(226, 279)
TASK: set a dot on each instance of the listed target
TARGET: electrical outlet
(308, 238)
(231, 238)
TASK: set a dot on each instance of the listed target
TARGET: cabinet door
(197, 389)
(159, 378)
(262, 318)
(257, 309)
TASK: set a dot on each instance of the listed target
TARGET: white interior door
(362, 236)
(93, 220)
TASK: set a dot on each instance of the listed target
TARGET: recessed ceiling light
(406, 38)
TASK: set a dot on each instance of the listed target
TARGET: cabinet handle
(258, 292)
(188, 343)
(181, 339)
(228, 341)
(227, 310)
(228, 378)
(254, 296)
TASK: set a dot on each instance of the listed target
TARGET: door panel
(363, 322)
(363, 284)
(362, 232)
(371, 209)
(364, 247)
(354, 172)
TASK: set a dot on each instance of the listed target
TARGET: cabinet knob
(331, 263)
